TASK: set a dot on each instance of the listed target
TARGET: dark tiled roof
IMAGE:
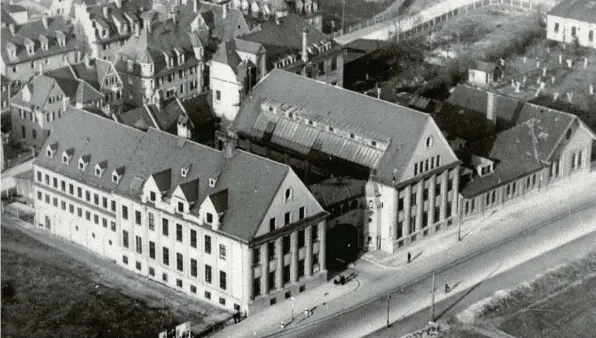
(220, 201)
(362, 47)
(285, 38)
(582, 10)
(252, 181)
(399, 127)
(484, 66)
(476, 99)
(515, 154)
(32, 31)
(333, 191)
(165, 37)
(224, 28)
(6, 19)
(198, 109)
(163, 117)
(460, 122)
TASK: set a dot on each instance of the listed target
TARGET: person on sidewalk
(283, 325)
(447, 289)
(409, 257)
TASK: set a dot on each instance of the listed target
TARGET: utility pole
(432, 301)
(388, 301)
(459, 219)
(343, 11)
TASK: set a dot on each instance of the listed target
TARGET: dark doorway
(342, 246)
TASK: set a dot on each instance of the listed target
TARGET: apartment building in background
(46, 98)
(571, 21)
(226, 227)
(321, 130)
(288, 43)
(35, 47)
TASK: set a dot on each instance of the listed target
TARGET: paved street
(412, 303)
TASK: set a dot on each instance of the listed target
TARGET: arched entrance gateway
(343, 245)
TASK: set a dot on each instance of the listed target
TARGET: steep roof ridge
(76, 77)
(146, 107)
(270, 202)
(531, 125)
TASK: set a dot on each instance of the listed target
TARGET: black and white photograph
(298, 168)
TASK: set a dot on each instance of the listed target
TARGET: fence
(429, 17)
(24, 157)
(20, 213)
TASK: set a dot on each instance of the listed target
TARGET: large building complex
(227, 227)
(323, 130)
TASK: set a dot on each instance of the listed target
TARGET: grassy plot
(44, 295)
(560, 303)
(354, 11)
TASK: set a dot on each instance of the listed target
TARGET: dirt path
(86, 285)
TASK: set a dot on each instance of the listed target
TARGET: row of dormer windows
(84, 161)
(81, 193)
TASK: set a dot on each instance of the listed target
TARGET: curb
(535, 227)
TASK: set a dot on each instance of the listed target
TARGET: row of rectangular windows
(426, 165)
(287, 218)
(208, 271)
(286, 245)
(179, 283)
(165, 230)
(286, 277)
(79, 211)
(104, 202)
(425, 194)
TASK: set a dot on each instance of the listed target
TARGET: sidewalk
(439, 252)
(507, 219)
(271, 318)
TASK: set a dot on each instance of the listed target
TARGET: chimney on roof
(105, 11)
(147, 25)
(228, 150)
(44, 20)
(225, 11)
(12, 29)
(195, 5)
(555, 96)
(40, 68)
(305, 45)
(490, 107)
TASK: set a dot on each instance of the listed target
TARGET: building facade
(161, 57)
(573, 21)
(37, 46)
(321, 130)
(288, 43)
(44, 100)
(226, 227)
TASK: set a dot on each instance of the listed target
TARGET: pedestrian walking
(283, 325)
(447, 288)
(409, 257)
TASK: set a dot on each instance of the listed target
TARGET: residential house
(46, 98)
(227, 227)
(9, 89)
(323, 130)
(32, 48)
(15, 14)
(190, 118)
(161, 57)
(544, 146)
(104, 28)
(573, 21)
(288, 43)
(510, 147)
(482, 73)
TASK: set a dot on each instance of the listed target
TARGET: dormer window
(117, 174)
(61, 38)
(212, 182)
(373, 143)
(51, 150)
(100, 167)
(67, 155)
(152, 196)
(288, 195)
(183, 172)
(84, 161)
(115, 178)
(180, 207)
(429, 142)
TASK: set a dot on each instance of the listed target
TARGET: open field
(49, 289)
(561, 303)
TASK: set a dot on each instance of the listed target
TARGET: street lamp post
(293, 302)
(459, 205)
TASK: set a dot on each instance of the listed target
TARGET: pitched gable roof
(220, 201)
(476, 99)
(582, 10)
(251, 181)
(395, 127)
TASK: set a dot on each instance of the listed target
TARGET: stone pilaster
(294, 254)
(264, 269)
(308, 252)
(279, 283)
